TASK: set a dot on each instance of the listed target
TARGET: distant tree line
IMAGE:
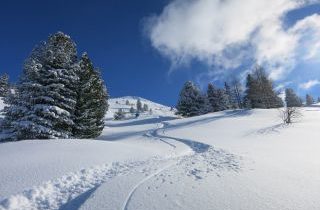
(259, 93)
(57, 96)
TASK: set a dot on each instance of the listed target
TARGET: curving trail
(201, 160)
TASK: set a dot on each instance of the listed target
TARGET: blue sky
(150, 48)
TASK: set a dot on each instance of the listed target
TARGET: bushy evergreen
(191, 101)
(309, 100)
(46, 94)
(91, 103)
(139, 106)
(292, 100)
(145, 107)
(217, 98)
(49, 97)
(260, 93)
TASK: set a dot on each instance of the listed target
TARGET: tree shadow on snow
(209, 118)
(77, 202)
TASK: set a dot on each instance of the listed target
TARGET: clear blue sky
(111, 32)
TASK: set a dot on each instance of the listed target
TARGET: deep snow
(243, 159)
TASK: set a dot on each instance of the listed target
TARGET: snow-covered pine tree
(139, 106)
(4, 85)
(223, 100)
(191, 102)
(292, 100)
(238, 92)
(309, 100)
(217, 98)
(318, 100)
(260, 93)
(212, 95)
(132, 110)
(145, 107)
(119, 115)
(231, 97)
(127, 102)
(46, 93)
(91, 103)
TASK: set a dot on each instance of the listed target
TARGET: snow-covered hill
(243, 159)
(121, 103)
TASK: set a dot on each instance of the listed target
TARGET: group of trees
(140, 108)
(193, 102)
(58, 95)
(259, 93)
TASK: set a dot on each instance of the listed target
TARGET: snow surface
(242, 159)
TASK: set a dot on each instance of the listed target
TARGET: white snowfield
(242, 159)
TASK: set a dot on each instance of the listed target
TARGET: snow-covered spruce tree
(91, 103)
(4, 85)
(309, 100)
(46, 93)
(231, 97)
(139, 106)
(292, 100)
(238, 92)
(260, 93)
(212, 95)
(191, 102)
(145, 107)
(217, 98)
(119, 115)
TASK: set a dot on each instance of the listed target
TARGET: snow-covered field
(228, 160)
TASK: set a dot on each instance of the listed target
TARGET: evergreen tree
(238, 93)
(132, 110)
(309, 100)
(145, 107)
(139, 106)
(292, 100)
(191, 102)
(260, 93)
(4, 85)
(318, 101)
(217, 98)
(119, 115)
(91, 103)
(231, 97)
(46, 94)
(212, 95)
(127, 102)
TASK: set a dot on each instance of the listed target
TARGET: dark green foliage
(45, 98)
(292, 100)
(217, 98)
(91, 103)
(139, 106)
(191, 101)
(260, 93)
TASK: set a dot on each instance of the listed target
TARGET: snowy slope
(228, 160)
(120, 103)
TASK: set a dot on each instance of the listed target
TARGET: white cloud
(227, 32)
(309, 84)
